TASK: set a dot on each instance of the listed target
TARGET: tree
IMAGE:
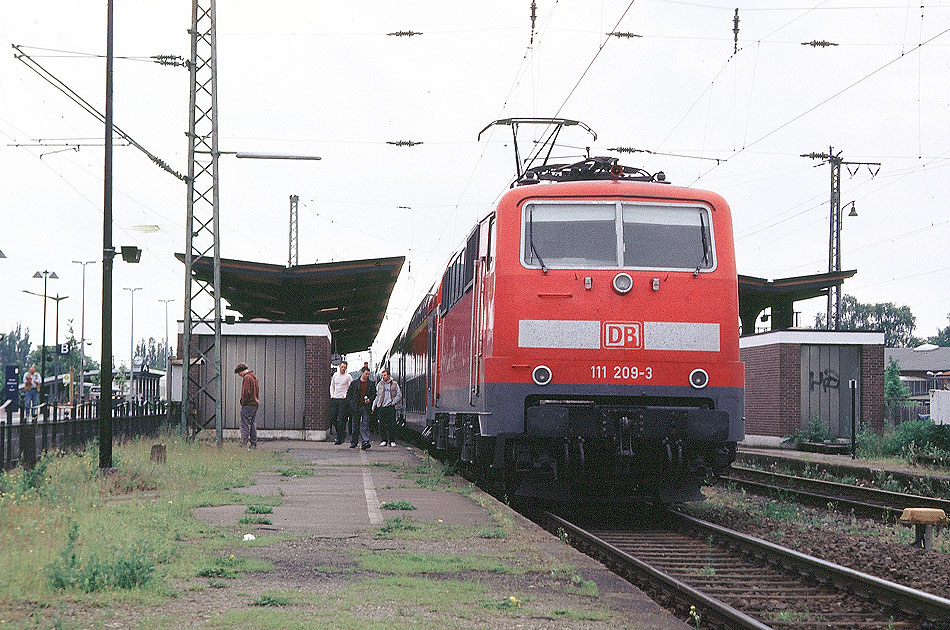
(894, 390)
(154, 353)
(15, 348)
(942, 338)
(897, 322)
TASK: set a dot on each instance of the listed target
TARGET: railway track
(738, 581)
(869, 502)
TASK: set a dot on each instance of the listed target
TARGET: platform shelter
(292, 320)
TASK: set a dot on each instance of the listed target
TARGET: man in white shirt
(339, 383)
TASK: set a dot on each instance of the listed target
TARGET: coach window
(570, 235)
(667, 237)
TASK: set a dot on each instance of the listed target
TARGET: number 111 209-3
(621, 372)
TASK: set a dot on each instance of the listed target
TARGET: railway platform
(793, 458)
(460, 559)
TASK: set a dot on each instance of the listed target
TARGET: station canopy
(758, 294)
(350, 296)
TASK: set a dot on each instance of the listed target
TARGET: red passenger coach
(585, 341)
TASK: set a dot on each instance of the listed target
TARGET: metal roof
(914, 360)
(349, 296)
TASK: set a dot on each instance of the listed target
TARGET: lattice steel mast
(832, 315)
(293, 257)
(201, 231)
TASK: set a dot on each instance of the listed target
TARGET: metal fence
(64, 428)
(897, 413)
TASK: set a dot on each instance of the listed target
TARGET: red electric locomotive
(585, 341)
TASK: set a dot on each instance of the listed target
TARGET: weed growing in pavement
(213, 583)
(406, 563)
(232, 566)
(706, 570)
(398, 524)
(295, 471)
(259, 509)
(580, 615)
(254, 520)
(491, 532)
(562, 534)
(401, 504)
(582, 587)
(128, 569)
(504, 604)
(271, 600)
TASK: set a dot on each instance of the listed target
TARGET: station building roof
(758, 294)
(349, 296)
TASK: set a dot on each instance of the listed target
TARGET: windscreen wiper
(705, 237)
(534, 250)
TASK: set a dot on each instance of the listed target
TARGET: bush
(916, 441)
(128, 569)
(816, 431)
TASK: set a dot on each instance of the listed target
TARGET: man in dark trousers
(388, 399)
(360, 397)
(250, 400)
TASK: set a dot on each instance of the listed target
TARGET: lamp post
(45, 275)
(132, 291)
(82, 330)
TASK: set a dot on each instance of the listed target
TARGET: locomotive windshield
(617, 234)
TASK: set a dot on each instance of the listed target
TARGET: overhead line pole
(832, 314)
(201, 231)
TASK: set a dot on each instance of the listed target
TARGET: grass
(232, 566)
(259, 509)
(295, 471)
(271, 599)
(402, 504)
(254, 520)
(406, 563)
(69, 534)
(397, 524)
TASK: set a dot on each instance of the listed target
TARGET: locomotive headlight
(541, 375)
(623, 283)
(698, 378)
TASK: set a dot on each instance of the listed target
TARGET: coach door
(481, 263)
(433, 349)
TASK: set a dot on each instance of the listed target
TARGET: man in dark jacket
(360, 397)
(250, 400)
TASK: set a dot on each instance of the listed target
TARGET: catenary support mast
(202, 386)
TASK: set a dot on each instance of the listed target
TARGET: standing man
(388, 398)
(250, 400)
(360, 398)
(339, 385)
(31, 391)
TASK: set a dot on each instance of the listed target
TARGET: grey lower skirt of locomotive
(603, 449)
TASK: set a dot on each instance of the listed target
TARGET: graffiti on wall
(826, 379)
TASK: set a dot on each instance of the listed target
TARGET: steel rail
(908, 599)
(871, 501)
(676, 588)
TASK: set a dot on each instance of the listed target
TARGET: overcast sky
(323, 78)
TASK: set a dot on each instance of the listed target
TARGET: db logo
(623, 335)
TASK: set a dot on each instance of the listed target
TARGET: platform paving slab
(335, 569)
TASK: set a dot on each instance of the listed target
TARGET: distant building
(922, 368)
